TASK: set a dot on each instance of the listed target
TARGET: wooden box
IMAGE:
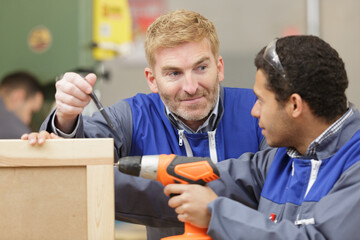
(61, 190)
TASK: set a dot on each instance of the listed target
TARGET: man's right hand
(72, 96)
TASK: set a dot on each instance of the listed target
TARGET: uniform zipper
(183, 140)
(212, 146)
(315, 166)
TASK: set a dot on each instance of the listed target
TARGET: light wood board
(61, 190)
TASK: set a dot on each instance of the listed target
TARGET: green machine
(48, 38)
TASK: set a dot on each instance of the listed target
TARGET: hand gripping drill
(169, 169)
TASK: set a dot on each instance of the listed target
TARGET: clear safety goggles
(271, 57)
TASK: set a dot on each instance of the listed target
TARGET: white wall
(244, 27)
(340, 26)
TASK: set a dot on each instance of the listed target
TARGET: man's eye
(202, 68)
(174, 73)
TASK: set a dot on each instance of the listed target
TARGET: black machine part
(130, 165)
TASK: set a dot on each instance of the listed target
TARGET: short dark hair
(21, 79)
(313, 69)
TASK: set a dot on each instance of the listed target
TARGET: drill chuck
(143, 166)
(130, 165)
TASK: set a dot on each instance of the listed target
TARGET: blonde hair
(177, 27)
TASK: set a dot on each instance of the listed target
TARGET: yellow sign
(112, 28)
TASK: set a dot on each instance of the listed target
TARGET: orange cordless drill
(173, 169)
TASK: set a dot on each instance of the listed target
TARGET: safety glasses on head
(271, 57)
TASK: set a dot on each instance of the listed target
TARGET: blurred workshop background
(49, 37)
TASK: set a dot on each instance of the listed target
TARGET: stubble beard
(195, 112)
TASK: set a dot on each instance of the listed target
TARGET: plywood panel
(101, 218)
(57, 152)
(61, 190)
(43, 203)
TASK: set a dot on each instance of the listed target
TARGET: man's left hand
(191, 203)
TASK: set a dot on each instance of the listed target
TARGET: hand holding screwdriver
(72, 96)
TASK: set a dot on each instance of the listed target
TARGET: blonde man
(188, 113)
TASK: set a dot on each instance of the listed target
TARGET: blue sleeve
(135, 202)
(335, 216)
(96, 127)
(242, 179)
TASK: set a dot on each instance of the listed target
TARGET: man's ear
(220, 67)
(295, 105)
(150, 77)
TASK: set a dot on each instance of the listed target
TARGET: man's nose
(190, 84)
(255, 111)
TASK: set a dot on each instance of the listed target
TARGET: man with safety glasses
(308, 187)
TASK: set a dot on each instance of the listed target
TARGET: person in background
(188, 113)
(20, 96)
(308, 187)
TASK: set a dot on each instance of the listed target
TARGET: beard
(193, 112)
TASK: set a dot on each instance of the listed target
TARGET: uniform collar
(333, 138)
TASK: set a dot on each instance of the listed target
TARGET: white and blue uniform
(144, 127)
(278, 194)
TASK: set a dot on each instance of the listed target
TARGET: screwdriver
(102, 110)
